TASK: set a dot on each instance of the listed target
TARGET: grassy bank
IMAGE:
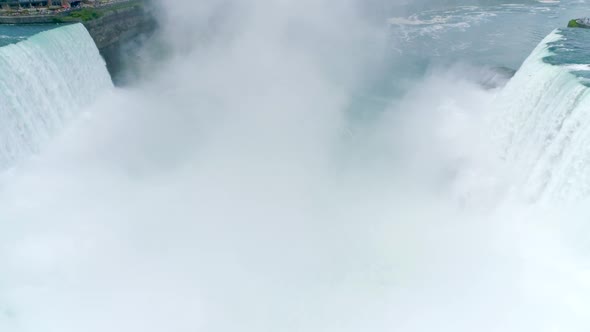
(89, 14)
(573, 24)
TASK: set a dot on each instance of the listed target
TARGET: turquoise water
(489, 40)
(229, 194)
(573, 52)
(497, 34)
(10, 34)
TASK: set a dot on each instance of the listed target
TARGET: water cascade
(46, 80)
(544, 124)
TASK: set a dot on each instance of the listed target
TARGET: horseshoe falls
(544, 116)
(46, 80)
(299, 166)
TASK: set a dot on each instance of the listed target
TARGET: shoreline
(71, 15)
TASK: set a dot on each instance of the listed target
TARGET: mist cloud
(233, 190)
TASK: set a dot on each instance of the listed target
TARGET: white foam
(578, 67)
(544, 128)
(45, 81)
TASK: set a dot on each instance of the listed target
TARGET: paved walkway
(44, 11)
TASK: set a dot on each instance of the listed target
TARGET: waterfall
(544, 127)
(46, 80)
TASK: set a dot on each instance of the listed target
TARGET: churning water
(304, 165)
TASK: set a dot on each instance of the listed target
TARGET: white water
(544, 123)
(230, 195)
(45, 81)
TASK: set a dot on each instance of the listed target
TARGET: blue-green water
(488, 39)
(229, 193)
(10, 34)
(573, 52)
(497, 34)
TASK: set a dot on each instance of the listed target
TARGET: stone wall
(22, 19)
(117, 26)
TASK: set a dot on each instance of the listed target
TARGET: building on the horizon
(17, 4)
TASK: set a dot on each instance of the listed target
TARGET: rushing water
(46, 80)
(301, 166)
(10, 34)
(571, 50)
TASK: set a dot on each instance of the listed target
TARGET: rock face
(118, 33)
(120, 25)
(579, 23)
(113, 27)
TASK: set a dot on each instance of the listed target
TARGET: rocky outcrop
(579, 23)
(119, 25)
(118, 33)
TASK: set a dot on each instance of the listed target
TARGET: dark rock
(116, 32)
(119, 25)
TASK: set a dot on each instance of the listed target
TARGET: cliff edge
(118, 24)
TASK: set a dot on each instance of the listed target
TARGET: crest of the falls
(46, 80)
(544, 126)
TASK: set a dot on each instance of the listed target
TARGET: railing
(44, 11)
